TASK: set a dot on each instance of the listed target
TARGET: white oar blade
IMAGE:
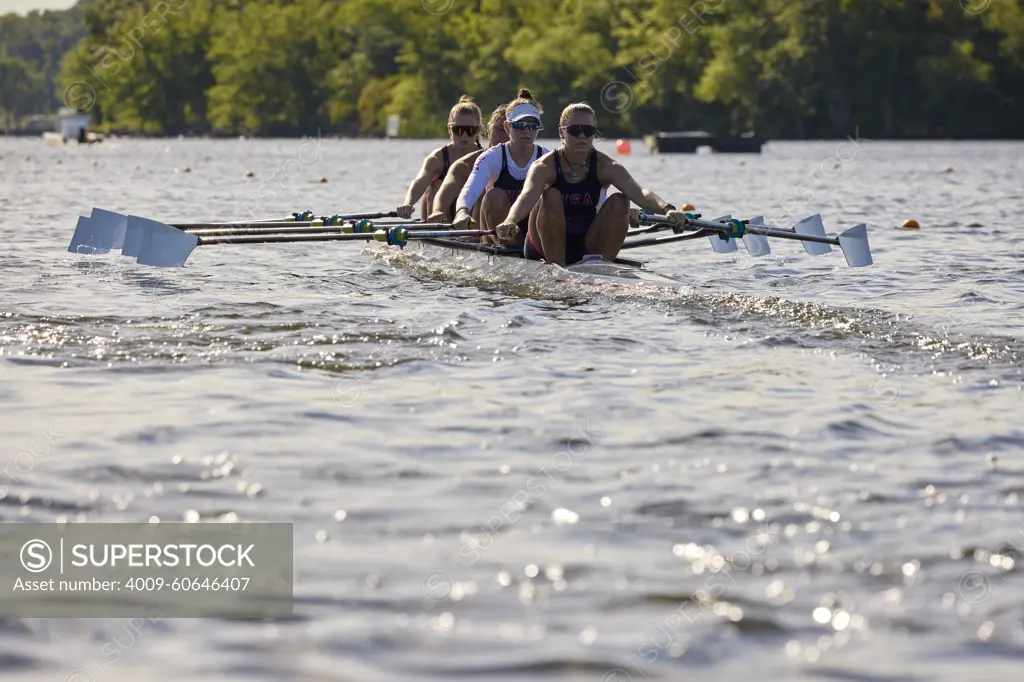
(87, 237)
(135, 231)
(813, 226)
(756, 244)
(113, 226)
(854, 243)
(719, 244)
(164, 246)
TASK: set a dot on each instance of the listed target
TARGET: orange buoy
(623, 147)
(688, 207)
(910, 225)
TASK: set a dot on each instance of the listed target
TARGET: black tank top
(513, 188)
(579, 199)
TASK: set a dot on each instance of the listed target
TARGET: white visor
(521, 111)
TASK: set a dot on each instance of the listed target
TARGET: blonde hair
(576, 107)
(497, 115)
(465, 105)
(525, 97)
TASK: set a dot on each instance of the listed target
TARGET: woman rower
(455, 180)
(506, 166)
(464, 130)
(565, 198)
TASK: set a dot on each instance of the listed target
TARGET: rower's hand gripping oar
(810, 231)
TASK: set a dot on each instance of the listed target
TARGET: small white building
(73, 124)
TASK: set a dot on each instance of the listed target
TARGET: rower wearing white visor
(499, 173)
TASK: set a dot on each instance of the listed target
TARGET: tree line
(782, 68)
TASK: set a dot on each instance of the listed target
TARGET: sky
(25, 6)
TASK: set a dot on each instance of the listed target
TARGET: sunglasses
(468, 131)
(580, 130)
(526, 125)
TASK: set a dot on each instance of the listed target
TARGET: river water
(785, 468)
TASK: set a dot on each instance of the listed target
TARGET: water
(784, 469)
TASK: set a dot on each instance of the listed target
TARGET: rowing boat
(588, 271)
(159, 244)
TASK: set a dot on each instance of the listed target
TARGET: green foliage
(20, 90)
(786, 68)
(39, 40)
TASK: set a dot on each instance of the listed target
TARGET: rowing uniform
(581, 201)
(496, 168)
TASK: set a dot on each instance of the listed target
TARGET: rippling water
(783, 469)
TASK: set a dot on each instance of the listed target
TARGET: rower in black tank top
(444, 172)
(512, 187)
(580, 199)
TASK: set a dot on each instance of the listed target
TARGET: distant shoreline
(237, 136)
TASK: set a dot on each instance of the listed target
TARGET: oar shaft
(380, 235)
(724, 228)
(270, 228)
(238, 223)
(302, 228)
(654, 241)
(282, 222)
(785, 234)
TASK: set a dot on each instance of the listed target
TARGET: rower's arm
(486, 167)
(431, 169)
(452, 186)
(619, 177)
(540, 176)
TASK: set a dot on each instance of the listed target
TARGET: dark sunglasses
(526, 125)
(468, 131)
(580, 130)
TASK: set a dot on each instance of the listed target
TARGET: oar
(756, 244)
(104, 230)
(164, 246)
(306, 219)
(655, 241)
(853, 242)
(136, 228)
(304, 228)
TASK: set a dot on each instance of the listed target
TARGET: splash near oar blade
(86, 238)
(101, 232)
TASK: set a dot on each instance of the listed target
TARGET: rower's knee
(551, 199)
(496, 199)
(617, 203)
